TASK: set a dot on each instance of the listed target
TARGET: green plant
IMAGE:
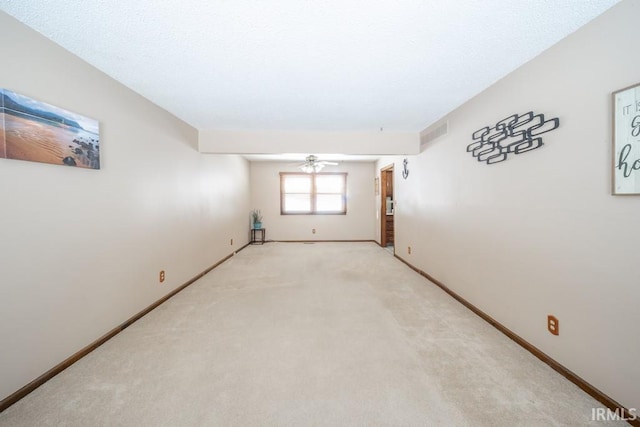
(256, 216)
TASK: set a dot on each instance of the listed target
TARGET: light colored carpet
(308, 334)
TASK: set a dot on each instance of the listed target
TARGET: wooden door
(386, 221)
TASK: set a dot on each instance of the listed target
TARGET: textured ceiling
(336, 65)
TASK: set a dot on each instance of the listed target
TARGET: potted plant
(256, 218)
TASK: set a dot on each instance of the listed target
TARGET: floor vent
(434, 133)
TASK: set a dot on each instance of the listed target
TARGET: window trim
(313, 193)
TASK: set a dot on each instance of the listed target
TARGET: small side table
(254, 238)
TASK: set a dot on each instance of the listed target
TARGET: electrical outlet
(409, 250)
(553, 325)
(313, 230)
(162, 276)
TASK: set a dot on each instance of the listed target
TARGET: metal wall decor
(515, 134)
(405, 171)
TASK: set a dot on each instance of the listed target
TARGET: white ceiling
(338, 65)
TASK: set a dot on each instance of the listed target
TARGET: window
(313, 193)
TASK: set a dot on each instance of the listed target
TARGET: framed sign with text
(626, 141)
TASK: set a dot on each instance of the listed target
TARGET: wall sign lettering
(626, 141)
(516, 134)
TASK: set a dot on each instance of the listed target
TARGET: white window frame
(313, 194)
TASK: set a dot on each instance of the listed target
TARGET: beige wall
(358, 224)
(540, 233)
(80, 250)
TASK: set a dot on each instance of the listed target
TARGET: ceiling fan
(312, 164)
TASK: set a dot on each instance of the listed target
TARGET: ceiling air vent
(434, 133)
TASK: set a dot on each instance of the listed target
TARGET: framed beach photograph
(626, 141)
(38, 132)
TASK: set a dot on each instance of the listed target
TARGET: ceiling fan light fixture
(308, 168)
(312, 165)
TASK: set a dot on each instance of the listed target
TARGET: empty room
(420, 213)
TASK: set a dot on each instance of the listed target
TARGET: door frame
(383, 204)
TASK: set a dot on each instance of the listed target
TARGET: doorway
(386, 208)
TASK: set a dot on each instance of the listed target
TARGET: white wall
(540, 233)
(358, 224)
(278, 142)
(81, 250)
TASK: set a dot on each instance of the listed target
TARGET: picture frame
(35, 131)
(626, 141)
